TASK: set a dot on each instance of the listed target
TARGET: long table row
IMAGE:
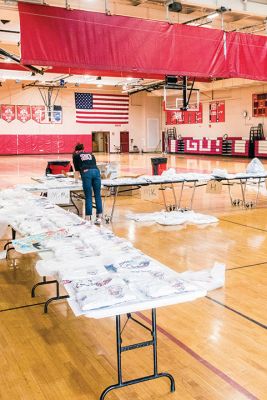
(169, 179)
(103, 274)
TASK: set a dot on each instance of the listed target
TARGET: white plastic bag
(255, 166)
(208, 279)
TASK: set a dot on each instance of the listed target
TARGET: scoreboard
(259, 105)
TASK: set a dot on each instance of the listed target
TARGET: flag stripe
(116, 112)
(111, 108)
(101, 117)
(102, 122)
(101, 108)
(109, 96)
(106, 103)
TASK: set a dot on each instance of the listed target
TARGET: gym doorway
(124, 142)
(100, 142)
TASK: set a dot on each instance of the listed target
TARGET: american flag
(94, 108)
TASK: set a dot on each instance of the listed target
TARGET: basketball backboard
(179, 94)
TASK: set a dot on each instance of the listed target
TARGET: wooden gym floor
(215, 347)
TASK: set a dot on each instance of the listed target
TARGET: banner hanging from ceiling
(95, 41)
(247, 56)
(107, 44)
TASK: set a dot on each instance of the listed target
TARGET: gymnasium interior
(165, 299)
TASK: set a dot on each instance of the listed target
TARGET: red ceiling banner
(80, 39)
(8, 112)
(74, 39)
(247, 56)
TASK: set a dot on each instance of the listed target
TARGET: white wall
(11, 93)
(142, 107)
(236, 101)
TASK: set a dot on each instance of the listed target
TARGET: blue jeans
(91, 179)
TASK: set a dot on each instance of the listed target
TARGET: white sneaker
(88, 219)
(98, 221)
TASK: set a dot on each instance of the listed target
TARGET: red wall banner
(8, 112)
(38, 113)
(42, 144)
(184, 117)
(23, 113)
(217, 111)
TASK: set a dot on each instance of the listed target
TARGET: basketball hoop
(180, 99)
(180, 95)
(49, 95)
(51, 117)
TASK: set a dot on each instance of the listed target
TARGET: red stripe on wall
(123, 96)
(101, 112)
(42, 144)
(106, 108)
(102, 122)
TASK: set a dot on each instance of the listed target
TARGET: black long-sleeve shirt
(83, 161)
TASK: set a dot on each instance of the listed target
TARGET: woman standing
(85, 163)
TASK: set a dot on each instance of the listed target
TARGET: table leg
(258, 191)
(243, 191)
(114, 202)
(163, 194)
(192, 197)
(174, 196)
(73, 203)
(13, 237)
(181, 194)
(120, 349)
(57, 297)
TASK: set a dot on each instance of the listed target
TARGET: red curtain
(247, 55)
(42, 144)
(78, 39)
(116, 44)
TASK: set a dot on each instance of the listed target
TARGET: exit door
(124, 142)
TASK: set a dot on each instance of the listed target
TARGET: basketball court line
(25, 306)
(202, 361)
(247, 226)
(246, 266)
(187, 349)
(237, 312)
